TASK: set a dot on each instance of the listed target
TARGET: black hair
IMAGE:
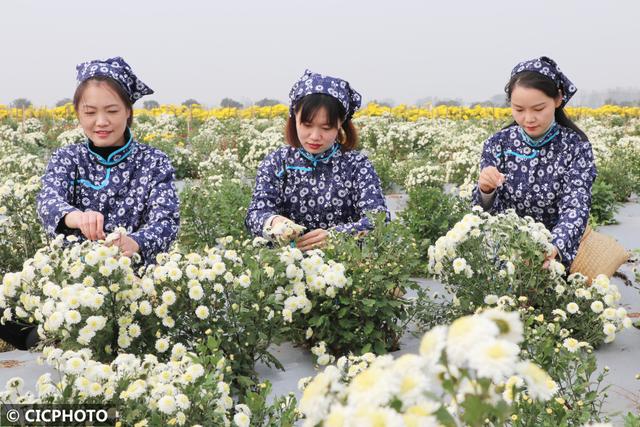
(309, 107)
(534, 80)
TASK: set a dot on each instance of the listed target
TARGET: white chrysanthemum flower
(196, 293)
(601, 281)
(218, 268)
(610, 300)
(573, 308)
(124, 341)
(540, 385)
(54, 321)
(96, 323)
(491, 299)
(91, 258)
(244, 281)
(162, 345)
(466, 332)
(134, 330)
(597, 306)
(609, 329)
(610, 313)
(292, 271)
(202, 312)
(495, 359)
(145, 308)
(508, 323)
(325, 359)
(192, 271)
(561, 315)
(196, 371)
(571, 344)
(167, 405)
(241, 419)
(432, 344)
(147, 285)
(459, 265)
(514, 382)
(178, 352)
(314, 403)
(168, 297)
(374, 385)
(72, 317)
(74, 365)
(174, 273)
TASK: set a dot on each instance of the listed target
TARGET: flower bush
(21, 233)
(467, 373)
(89, 296)
(357, 304)
(503, 254)
(227, 293)
(212, 208)
(145, 391)
(81, 296)
(430, 213)
(548, 341)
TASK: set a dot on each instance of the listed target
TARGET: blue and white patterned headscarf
(548, 67)
(117, 69)
(311, 82)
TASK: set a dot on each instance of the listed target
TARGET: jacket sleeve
(161, 218)
(53, 199)
(267, 199)
(575, 202)
(367, 197)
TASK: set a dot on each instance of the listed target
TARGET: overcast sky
(250, 49)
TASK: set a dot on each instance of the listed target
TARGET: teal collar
(538, 143)
(121, 153)
(322, 157)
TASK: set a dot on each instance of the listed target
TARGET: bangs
(311, 104)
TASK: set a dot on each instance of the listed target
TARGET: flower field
(185, 341)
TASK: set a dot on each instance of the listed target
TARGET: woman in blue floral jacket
(110, 180)
(318, 181)
(542, 164)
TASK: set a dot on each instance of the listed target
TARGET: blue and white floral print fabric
(117, 69)
(335, 193)
(548, 67)
(134, 190)
(311, 82)
(552, 184)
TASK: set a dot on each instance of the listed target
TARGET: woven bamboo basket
(598, 254)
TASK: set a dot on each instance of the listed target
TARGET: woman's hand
(90, 223)
(127, 245)
(490, 179)
(312, 240)
(549, 257)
